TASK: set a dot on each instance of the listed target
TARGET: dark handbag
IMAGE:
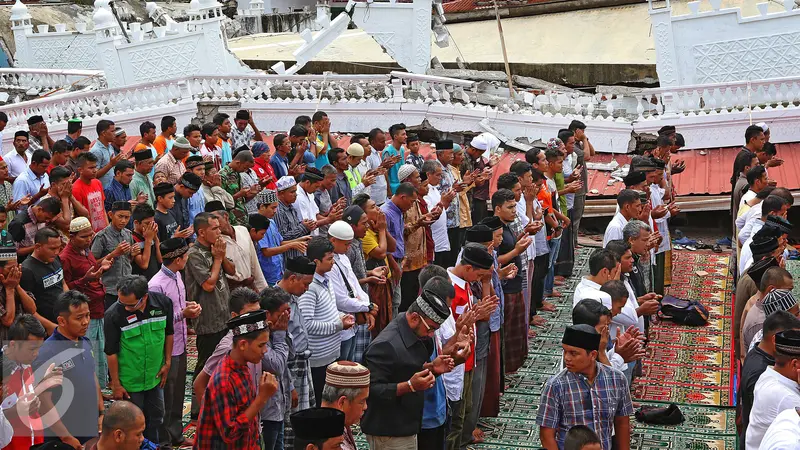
(683, 312)
(659, 415)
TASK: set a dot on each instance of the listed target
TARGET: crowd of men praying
(330, 285)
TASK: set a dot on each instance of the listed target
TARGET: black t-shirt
(153, 267)
(45, 282)
(509, 242)
(166, 225)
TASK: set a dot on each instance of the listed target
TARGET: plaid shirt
(568, 400)
(222, 423)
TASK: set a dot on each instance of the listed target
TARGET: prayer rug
(545, 345)
(520, 406)
(701, 338)
(525, 383)
(699, 420)
(665, 440)
(793, 267)
(508, 433)
(684, 394)
(542, 363)
(672, 374)
(693, 356)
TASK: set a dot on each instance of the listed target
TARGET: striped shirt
(569, 399)
(322, 320)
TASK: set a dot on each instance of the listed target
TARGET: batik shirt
(232, 183)
(453, 210)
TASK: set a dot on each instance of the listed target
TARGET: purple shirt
(170, 284)
(395, 224)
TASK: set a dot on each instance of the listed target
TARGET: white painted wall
(720, 46)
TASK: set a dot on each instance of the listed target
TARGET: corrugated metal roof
(705, 174)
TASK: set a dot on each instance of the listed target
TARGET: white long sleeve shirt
(346, 303)
(773, 394)
(614, 228)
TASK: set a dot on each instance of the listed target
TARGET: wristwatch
(371, 307)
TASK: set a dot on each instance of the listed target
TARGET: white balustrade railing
(292, 88)
(50, 79)
(55, 110)
(721, 98)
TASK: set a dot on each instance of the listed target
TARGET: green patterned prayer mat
(525, 383)
(664, 440)
(510, 433)
(793, 267)
(545, 345)
(687, 365)
(702, 420)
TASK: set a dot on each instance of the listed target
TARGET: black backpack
(683, 312)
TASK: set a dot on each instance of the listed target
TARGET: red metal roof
(707, 174)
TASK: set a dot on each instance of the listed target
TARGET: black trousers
(539, 274)
(433, 438)
(409, 289)
(456, 238)
(441, 258)
(206, 344)
(318, 378)
(566, 254)
(479, 210)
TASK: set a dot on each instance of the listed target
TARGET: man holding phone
(661, 212)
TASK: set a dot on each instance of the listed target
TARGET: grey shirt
(274, 362)
(215, 304)
(297, 331)
(104, 243)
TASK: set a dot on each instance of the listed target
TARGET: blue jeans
(273, 434)
(152, 405)
(348, 352)
(98, 338)
(555, 246)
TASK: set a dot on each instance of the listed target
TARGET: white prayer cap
(405, 171)
(485, 141)
(341, 230)
(763, 126)
(286, 182)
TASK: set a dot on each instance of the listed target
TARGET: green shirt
(562, 199)
(138, 339)
(142, 183)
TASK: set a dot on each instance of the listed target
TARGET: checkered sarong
(301, 372)
(363, 338)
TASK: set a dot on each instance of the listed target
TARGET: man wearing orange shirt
(163, 143)
(147, 131)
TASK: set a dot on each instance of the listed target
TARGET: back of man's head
(121, 415)
(601, 259)
(777, 277)
(627, 196)
(581, 437)
(772, 205)
(780, 321)
(588, 312)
